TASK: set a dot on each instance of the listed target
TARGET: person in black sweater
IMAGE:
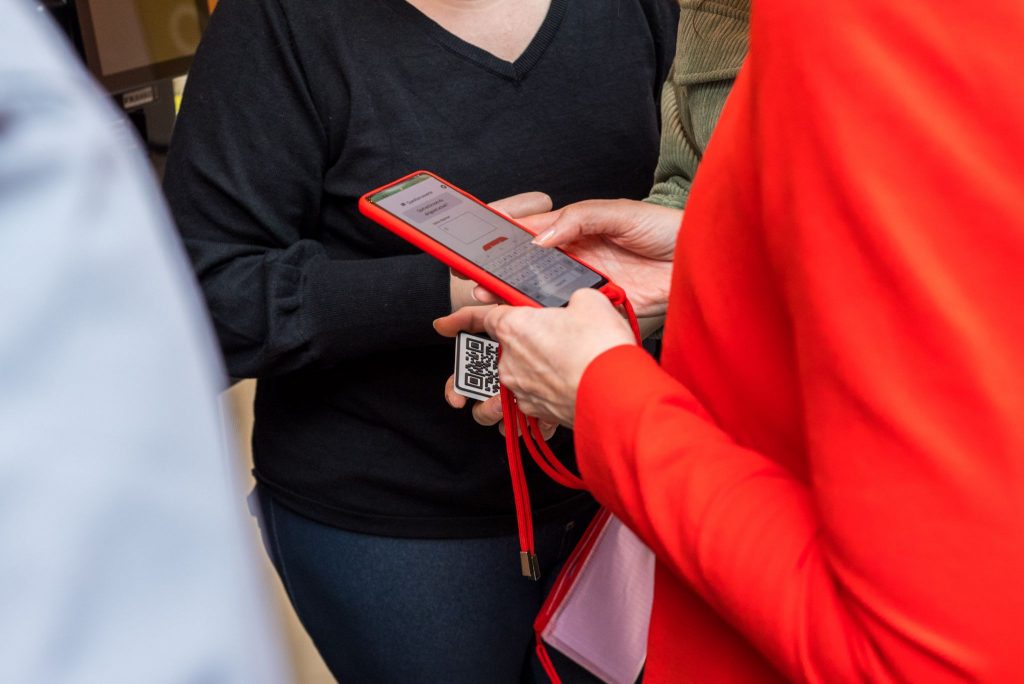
(389, 517)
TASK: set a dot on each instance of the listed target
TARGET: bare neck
(504, 28)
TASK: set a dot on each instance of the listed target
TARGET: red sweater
(829, 463)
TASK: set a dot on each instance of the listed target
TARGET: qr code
(476, 366)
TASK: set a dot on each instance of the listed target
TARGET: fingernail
(544, 237)
(435, 322)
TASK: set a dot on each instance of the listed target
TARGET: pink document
(602, 621)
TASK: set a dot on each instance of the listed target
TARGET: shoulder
(713, 40)
(329, 14)
(662, 15)
(730, 8)
(312, 17)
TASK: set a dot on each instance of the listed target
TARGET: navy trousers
(402, 611)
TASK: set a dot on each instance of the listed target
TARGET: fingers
(485, 296)
(588, 297)
(591, 217)
(478, 293)
(461, 293)
(547, 430)
(523, 204)
(488, 412)
(539, 223)
(470, 319)
(484, 412)
(478, 319)
(454, 400)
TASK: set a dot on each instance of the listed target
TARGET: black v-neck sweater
(293, 109)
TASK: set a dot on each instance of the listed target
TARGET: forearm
(750, 538)
(691, 494)
(372, 305)
(282, 311)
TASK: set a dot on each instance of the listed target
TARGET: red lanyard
(518, 424)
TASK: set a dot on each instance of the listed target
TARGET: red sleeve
(888, 195)
(732, 523)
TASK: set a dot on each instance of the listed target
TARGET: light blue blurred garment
(124, 552)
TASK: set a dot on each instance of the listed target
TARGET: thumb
(523, 204)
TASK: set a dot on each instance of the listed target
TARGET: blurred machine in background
(135, 49)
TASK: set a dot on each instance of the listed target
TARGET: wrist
(594, 352)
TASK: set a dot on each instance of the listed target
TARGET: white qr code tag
(476, 366)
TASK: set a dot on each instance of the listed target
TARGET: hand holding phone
(466, 292)
(477, 241)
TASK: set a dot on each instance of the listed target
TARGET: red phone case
(446, 255)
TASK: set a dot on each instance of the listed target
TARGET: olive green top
(710, 47)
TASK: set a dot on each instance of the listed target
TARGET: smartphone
(477, 241)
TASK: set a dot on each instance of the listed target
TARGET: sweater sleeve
(711, 45)
(895, 232)
(244, 180)
(709, 509)
(810, 579)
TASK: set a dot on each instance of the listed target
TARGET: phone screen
(485, 238)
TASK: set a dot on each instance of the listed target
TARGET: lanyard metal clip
(529, 564)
